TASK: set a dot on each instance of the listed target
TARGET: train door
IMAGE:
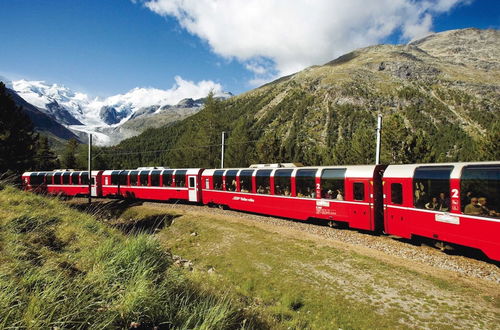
(396, 216)
(193, 188)
(93, 185)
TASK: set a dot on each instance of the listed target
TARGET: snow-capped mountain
(81, 113)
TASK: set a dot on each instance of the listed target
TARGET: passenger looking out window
(332, 183)
(305, 183)
(433, 204)
(480, 184)
(218, 180)
(282, 184)
(430, 182)
(263, 181)
(231, 180)
(246, 181)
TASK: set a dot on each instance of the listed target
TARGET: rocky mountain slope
(439, 97)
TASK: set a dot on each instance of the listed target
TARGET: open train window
(305, 183)
(65, 178)
(75, 178)
(263, 181)
(123, 178)
(143, 178)
(115, 178)
(282, 182)
(431, 187)
(397, 193)
(155, 178)
(332, 183)
(480, 190)
(359, 191)
(180, 178)
(167, 178)
(231, 180)
(218, 179)
(84, 178)
(246, 181)
(133, 177)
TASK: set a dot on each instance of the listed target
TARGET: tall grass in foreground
(62, 268)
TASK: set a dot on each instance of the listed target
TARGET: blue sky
(106, 47)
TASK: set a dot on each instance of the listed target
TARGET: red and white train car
(349, 194)
(453, 203)
(65, 182)
(153, 184)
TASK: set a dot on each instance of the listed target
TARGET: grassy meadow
(61, 268)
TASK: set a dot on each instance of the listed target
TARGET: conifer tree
(45, 158)
(69, 155)
(17, 136)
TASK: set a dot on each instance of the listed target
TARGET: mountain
(439, 98)
(104, 117)
(42, 122)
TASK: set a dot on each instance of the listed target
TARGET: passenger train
(450, 203)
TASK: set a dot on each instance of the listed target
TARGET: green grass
(62, 268)
(295, 283)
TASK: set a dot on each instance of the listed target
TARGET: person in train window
(287, 192)
(433, 204)
(420, 195)
(340, 196)
(473, 208)
(482, 201)
(444, 202)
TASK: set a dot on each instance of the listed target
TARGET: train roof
(359, 171)
(408, 170)
(188, 170)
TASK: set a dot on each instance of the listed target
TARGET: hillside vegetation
(60, 268)
(439, 98)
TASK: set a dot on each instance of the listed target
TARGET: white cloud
(295, 34)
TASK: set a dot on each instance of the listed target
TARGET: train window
(65, 178)
(231, 180)
(123, 178)
(48, 178)
(155, 178)
(115, 178)
(75, 178)
(332, 183)
(84, 178)
(246, 181)
(143, 178)
(57, 178)
(191, 182)
(305, 183)
(431, 187)
(36, 179)
(282, 182)
(480, 190)
(167, 178)
(359, 191)
(180, 178)
(397, 193)
(263, 181)
(133, 177)
(218, 179)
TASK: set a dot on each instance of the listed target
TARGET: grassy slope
(62, 268)
(299, 283)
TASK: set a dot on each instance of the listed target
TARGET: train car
(347, 194)
(153, 184)
(65, 182)
(455, 203)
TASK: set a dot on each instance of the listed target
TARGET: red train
(456, 203)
